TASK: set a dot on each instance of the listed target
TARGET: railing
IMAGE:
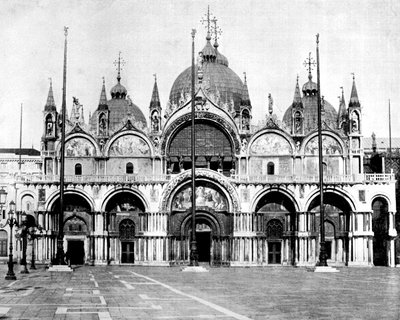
(349, 178)
(92, 178)
(354, 178)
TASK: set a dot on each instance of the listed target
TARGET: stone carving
(79, 147)
(205, 197)
(243, 148)
(270, 143)
(211, 175)
(129, 145)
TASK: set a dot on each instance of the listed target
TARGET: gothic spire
(103, 96)
(50, 104)
(297, 96)
(354, 102)
(245, 96)
(342, 109)
(155, 98)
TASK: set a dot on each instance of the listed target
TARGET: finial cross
(119, 63)
(206, 19)
(309, 63)
(216, 29)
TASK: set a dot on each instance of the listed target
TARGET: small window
(78, 169)
(270, 168)
(129, 168)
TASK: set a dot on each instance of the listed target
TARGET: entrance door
(274, 252)
(128, 252)
(76, 251)
(203, 239)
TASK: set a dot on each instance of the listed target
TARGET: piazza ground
(127, 292)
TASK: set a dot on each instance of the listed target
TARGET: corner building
(127, 196)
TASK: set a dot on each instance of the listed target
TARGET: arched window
(3, 243)
(49, 125)
(126, 229)
(245, 120)
(129, 168)
(78, 169)
(298, 123)
(270, 168)
(274, 229)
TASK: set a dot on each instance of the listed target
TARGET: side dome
(222, 84)
(310, 110)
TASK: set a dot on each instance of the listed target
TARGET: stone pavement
(127, 292)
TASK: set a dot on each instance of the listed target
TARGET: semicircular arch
(270, 142)
(79, 144)
(332, 144)
(213, 120)
(260, 195)
(129, 142)
(53, 198)
(204, 176)
(349, 200)
(111, 194)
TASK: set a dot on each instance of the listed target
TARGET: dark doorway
(274, 252)
(76, 251)
(203, 239)
(128, 252)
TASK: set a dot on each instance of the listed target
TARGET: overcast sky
(269, 40)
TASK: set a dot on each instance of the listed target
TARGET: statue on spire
(270, 104)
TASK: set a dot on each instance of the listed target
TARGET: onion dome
(310, 87)
(218, 80)
(310, 109)
(220, 58)
(118, 91)
(50, 104)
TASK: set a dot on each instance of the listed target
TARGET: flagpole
(193, 244)
(60, 238)
(322, 248)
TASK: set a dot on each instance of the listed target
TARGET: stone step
(60, 268)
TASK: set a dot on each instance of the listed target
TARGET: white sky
(268, 39)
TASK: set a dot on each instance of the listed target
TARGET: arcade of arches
(276, 233)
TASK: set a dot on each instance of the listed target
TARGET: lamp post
(24, 236)
(11, 221)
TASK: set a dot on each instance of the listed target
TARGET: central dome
(221, 83)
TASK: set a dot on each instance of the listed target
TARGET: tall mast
(193, 244)
(322, 252)
(60, 238)
(390, 137)
(20, 141)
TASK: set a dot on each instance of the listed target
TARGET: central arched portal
(212, 223)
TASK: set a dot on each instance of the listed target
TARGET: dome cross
(216, 30)
(309, 63)
(206, 20)
(118, 64)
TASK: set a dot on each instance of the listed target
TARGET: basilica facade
(127, 178)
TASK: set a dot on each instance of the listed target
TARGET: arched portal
(279, 215)
(76, 227)
(380, 227)
(124, 219)
(337, 223)
(3, 243)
